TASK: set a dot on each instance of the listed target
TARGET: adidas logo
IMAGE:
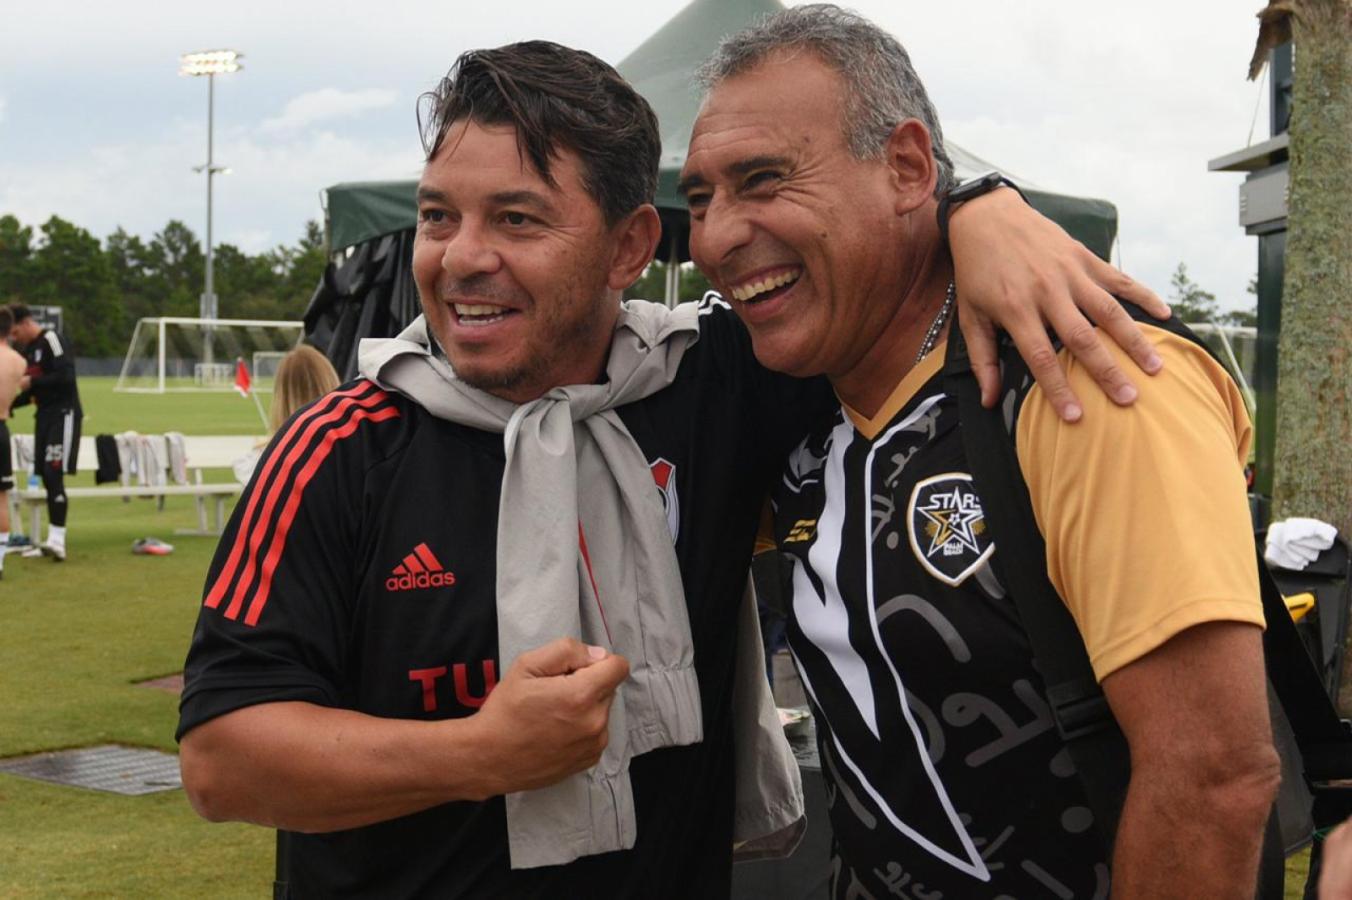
(420, 569)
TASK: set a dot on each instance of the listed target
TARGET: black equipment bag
(1319, 738)
(1324, 628)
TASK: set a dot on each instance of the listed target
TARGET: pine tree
(1190, 303)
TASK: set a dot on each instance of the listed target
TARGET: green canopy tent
(660, 69)
(359, 211)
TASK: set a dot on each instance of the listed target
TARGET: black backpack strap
(1321, 735)
(1323, 738)
(1080, 710)
(281, 885)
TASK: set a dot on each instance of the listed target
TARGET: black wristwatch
(970, 190)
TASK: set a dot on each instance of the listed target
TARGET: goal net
(182, 354)
(264, 368)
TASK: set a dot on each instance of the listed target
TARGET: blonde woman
(303, 375)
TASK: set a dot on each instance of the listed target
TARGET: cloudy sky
(1124, 101)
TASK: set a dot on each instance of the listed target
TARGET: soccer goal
(170, 354)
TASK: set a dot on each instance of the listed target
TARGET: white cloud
(1170, 209)
(1120, 101)
(328, 103)
(1095, 99)
(258, 240)
(273, 188)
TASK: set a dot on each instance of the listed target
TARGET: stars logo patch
(947, 527)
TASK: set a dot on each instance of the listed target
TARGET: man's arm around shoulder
(304, 767)
(1204, 771)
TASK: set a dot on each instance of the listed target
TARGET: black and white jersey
(948, 777)
(51, 368)
(358, 571)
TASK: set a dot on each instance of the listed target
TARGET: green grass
(107, 412)
(1297, 867)
(74, 639)
(63, 842)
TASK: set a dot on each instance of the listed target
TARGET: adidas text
(411, 582)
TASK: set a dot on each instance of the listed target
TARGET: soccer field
(108, 412)
(75, 638)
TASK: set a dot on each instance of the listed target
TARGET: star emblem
(947, 527)
(952, 516)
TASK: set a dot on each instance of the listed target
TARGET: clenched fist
(547, 718)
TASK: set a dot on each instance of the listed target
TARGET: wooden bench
(201, 452)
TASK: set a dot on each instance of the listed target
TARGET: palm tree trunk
(1313, 471)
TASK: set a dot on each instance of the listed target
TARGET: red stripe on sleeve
(293, 501)
(277, 488)
(222, 583)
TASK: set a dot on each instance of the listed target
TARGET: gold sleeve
(765, 534)
(1144, 508)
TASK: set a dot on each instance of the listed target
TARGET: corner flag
(244, 385)
(242, 381)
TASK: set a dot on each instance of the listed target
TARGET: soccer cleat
(56, 551)
(31, 552)
(151, 547)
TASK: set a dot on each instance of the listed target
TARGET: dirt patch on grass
(171, 683)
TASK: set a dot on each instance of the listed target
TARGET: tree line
(104, 287)
(1193, 304)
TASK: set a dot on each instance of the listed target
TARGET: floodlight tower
(210, 63)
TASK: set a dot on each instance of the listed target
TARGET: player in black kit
(50, 385)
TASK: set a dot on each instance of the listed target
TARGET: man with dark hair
(471, 630)
(50, 384)
(949, 774)
(12, 367)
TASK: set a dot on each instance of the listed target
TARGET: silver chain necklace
(940, 319)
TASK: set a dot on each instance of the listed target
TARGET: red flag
(242, 382)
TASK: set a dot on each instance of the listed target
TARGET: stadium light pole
(210, 63)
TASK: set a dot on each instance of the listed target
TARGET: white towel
(158, 459)
(127, 457)
(23, 453)
(1296, 542)
(178, 456)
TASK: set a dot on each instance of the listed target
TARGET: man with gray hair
(813, 178)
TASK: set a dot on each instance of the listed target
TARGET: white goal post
(178, 354)
(265, 363)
